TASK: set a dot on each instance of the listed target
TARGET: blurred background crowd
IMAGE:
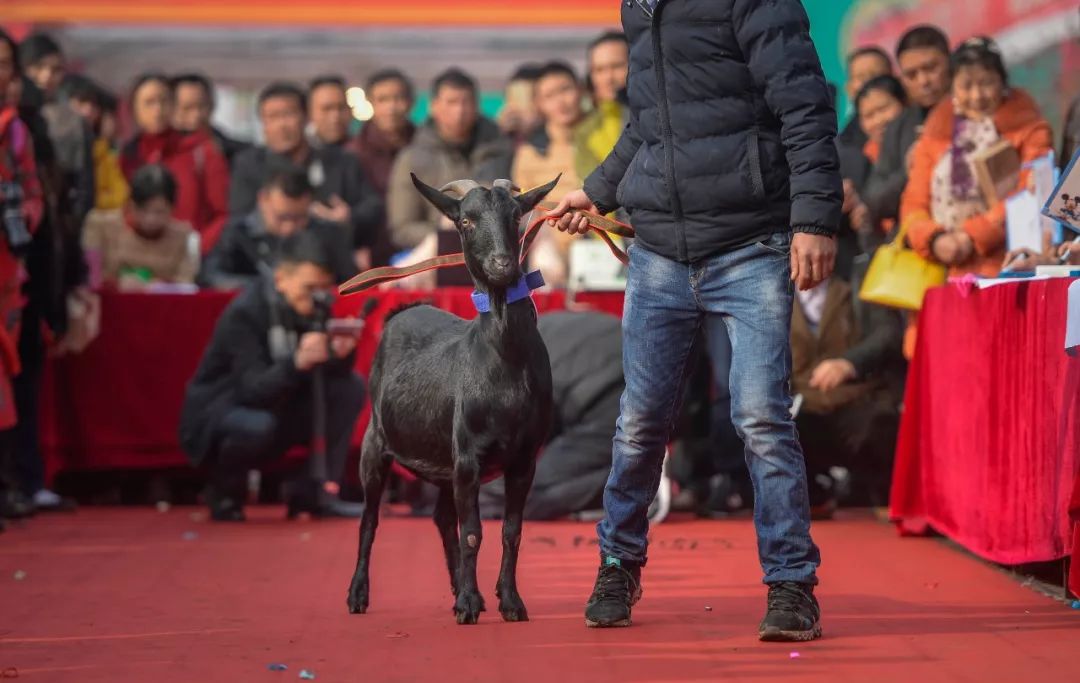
(172, 160)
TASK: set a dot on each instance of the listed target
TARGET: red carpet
(137, 595)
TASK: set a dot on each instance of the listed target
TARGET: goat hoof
(468, 607)
(513, 609)
(357, 601)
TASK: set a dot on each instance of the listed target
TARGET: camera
(15, 228)
(323, 301)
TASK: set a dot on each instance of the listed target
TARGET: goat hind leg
(511, 607)
(374, 468)
(446, 520)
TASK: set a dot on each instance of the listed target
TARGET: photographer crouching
(255, 394)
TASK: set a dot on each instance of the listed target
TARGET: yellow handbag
(898, 277)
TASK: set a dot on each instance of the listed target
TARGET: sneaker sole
(777, 636)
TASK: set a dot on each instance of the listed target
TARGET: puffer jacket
(732, 128)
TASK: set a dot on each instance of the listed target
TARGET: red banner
(317, 12)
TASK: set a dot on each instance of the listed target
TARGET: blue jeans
(750, 291)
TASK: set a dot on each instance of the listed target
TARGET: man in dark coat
(587, 379)
(456, 143)
(848, 368)
(729, 171)
(251, 398)
(248, 247)
(342, 196)
(379, 142)
(923, 56)
(863, 65)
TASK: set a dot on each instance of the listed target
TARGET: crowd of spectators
(177, 204)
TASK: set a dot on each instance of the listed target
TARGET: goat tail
(404, 307)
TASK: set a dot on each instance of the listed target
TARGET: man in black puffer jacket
(729, 171)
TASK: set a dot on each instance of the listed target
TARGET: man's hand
(953, 248)
(567, 215)
(851, 196)
(1020, 260)
(313, 349)
(337, 211)
(1073, 251)
(362, 259)
(342, 346)
(830, 374)
(812, 259)
(860, 218)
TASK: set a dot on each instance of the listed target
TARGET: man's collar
(521, 290)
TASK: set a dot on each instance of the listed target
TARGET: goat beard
(498, 302)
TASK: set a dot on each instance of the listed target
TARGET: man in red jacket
(381, 139)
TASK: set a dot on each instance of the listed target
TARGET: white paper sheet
(1023, 223)
(988, 282)
(1072, 324)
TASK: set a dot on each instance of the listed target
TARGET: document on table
(1072, 324)
(1023, 224)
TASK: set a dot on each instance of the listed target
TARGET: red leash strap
(601, 225)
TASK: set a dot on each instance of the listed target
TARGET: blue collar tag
(521, 290)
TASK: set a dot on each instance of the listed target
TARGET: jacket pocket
(753, 160)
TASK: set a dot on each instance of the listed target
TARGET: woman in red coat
(194, 159)
(20, 212)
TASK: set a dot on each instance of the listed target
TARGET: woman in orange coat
(945, 215)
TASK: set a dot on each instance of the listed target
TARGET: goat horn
(460, 187)
(507, 185)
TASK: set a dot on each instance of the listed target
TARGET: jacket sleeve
(365, 204)
(774, 38)
(111, 185)
(888, 177)
(222, 267)
(188, 267)
(407, 212)
(33, 204)
(244, 184)
(602, 183)
(882, 340)
(915, 216)
(262, 381)
(987, 230)
(216, 195)
(85, 190)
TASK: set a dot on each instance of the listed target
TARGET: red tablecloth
(117, 405)
(989, 443)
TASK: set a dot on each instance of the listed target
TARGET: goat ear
(450, 207)
(530, 199)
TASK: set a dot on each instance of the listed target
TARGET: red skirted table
(989, 443)
(117, 405)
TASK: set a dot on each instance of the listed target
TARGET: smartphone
(344, 327)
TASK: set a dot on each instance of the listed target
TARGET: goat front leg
(374, 468)
(518, 484)
(469, 603)
(447, 522)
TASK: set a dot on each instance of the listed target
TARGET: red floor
(136, 595)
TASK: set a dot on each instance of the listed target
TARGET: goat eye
(465, 222)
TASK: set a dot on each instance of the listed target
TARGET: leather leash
(601, 225)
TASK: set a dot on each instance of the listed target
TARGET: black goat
(458, 402)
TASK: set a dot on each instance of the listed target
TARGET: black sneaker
(617, 589)
(793, 613)
(225, 503)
